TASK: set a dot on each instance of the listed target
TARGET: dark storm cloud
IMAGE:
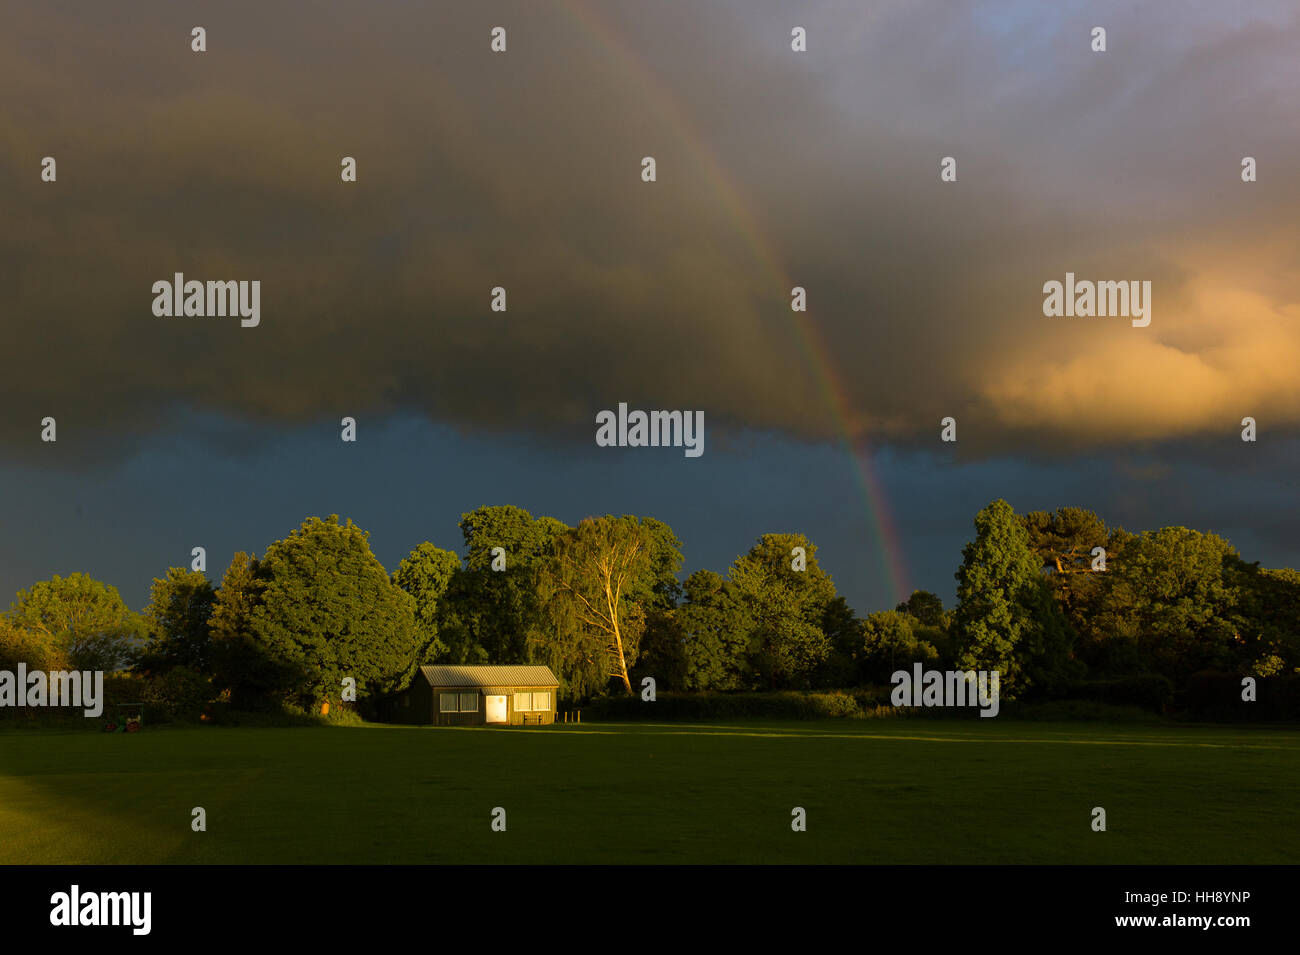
(522, 170)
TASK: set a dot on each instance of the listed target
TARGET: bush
(871, 697)
(119, 687)
(179, 693)
(221, 713)
(344, 714)
(834, 704)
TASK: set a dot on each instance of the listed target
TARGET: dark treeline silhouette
(1060, 604)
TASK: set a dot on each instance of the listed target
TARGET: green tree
(176, 622)
(891, 643)
(328, 610)
(80, 618)
(843, 630)
(931, 625)
(461, 620)
(491, 614)
(426, 574)
(1005, 618)
(787, 642)
(658, 591)
(716, 624)
(1173, 599)
(237, 665)
(590, 587)
(1064, 541)
(522, 537)
(38, 651)
(663, 651)
(925, 607)
(1270, 609)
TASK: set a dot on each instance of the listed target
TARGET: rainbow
(809, 339)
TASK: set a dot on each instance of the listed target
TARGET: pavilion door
(496, 709)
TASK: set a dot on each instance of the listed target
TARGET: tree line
(1050, 599)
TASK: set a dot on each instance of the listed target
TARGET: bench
(533, 718)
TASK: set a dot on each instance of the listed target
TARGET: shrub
(834, 704)
(179, 693)
(285, 713)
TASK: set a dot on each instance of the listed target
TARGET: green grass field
(875, 792)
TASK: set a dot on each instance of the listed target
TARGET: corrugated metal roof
(489, 676)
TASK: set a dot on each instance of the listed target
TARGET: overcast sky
(522, 170)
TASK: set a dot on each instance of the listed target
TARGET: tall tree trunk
(612, 600)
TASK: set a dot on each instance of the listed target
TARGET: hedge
(1150, 691)
(783, 705)
(1216, 695)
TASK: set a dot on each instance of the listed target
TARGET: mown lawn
(875, 792)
